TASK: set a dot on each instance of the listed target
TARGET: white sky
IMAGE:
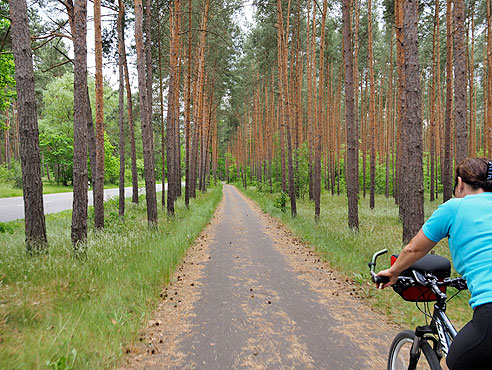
(248, 11)
(110, 73)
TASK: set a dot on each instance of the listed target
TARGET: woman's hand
(393, 277)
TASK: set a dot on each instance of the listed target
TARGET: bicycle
(425, 281)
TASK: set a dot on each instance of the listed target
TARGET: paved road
(13, 208)
(248, 296)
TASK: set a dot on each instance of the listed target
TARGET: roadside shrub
(4, 174)
(281, 202)
(16, 174)
(5, 228)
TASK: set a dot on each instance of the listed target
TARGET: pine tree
(35, 226)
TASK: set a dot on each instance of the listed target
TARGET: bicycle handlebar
(375, 278)
(379, 279)
(432, 283)
(426, 279)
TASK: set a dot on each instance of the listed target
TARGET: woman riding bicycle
(467, 222)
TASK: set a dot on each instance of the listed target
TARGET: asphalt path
(250, 296)
(13, 208)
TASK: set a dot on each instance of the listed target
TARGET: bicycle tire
(399, 355)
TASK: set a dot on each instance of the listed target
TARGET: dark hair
(474, 172)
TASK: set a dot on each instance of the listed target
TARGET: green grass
(58, 311)
(349, 252)
(8, 190)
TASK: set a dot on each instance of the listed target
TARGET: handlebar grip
(380, 279)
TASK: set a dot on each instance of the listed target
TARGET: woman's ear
(460, 187)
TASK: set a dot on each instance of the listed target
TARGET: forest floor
(250, 295)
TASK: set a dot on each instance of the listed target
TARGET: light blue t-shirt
(467, 222)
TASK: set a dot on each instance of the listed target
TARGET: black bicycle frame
(442, 325)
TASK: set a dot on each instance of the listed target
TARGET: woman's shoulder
(452, 203)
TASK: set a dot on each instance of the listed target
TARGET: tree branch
(63, 53)
(52, 36)
(42, 44)
(57, 65)
(319, 7)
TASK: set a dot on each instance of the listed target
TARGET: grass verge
(9, 191)
(349, 252)
(61, 312)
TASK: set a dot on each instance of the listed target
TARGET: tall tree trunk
(488, 126)
(356, 87)
(364, 136)
(438, 109)
(133, 150)
(283, 87)
(372, 119)
(177, 138)
(203, 123)
(473, 124)
(448, 165)
(352, 169)
(187, 110)
(15, 121)
(206, 140)
(412, 125)
(198, 99)
(215, 149)
(283, 169)
(148, 55)
(298, 97)
(390, 121)
(319, 120)
(401, 140)
(147, 134)
(80, 125)
(121, 107)
(433, 100)
(99, 186)
(161, 99)
(460, 110)
(35, 227)
(91, 139)
(309, 62)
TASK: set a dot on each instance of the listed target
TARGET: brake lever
(419, 278)
(460, 284)
(463, 285)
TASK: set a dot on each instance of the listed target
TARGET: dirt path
(248, 295)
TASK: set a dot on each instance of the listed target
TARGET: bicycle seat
(436, 265)
(430, 263)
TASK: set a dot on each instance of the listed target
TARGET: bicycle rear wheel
(399, 356)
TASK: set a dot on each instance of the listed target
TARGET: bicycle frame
(440, 327)
(445, 330)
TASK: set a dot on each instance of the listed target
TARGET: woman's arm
(418, 247)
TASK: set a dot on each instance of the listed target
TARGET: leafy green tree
(7, 81)
(57, 112)
(57, 150)
(7, 70)
(56, 128)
